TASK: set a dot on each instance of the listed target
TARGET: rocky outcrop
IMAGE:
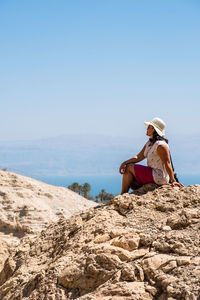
(27, 206)
(4, 252)
(142, 246)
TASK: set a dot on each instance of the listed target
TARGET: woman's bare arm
(164, 155)
(137, 158)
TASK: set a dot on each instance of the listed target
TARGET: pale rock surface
(4, 252)
(27, 206)
(114, 252)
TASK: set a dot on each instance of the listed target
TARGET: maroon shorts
(143, 174)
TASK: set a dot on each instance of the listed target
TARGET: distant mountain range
(88, 155)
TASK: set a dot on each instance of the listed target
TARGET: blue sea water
(110, 183)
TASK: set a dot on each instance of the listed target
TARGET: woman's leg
(128, 178)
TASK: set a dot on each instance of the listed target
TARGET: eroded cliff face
(27, 206)
(4, 252)
(142, 246)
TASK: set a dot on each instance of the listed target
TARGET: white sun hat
(158, 125)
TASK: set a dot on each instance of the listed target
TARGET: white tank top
(159, 172)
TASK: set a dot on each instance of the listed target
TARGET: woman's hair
(157, 137)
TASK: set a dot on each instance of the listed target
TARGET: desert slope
(142, 246)
(28, 206)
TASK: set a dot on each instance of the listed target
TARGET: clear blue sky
(98, 66)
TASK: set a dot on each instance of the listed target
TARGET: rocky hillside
(143, 246)
(27, 206)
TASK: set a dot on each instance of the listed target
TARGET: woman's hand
(175, 183)
(137, 158)
(122, 168)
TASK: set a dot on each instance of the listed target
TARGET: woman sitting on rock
(159, 169)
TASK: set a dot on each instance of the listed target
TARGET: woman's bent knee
(130, 169)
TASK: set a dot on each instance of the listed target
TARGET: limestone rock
(117, 251)
(128, 242)
(27, 206)
(156, 262)
(102, 239)
(4, 252)
(120, 291)
(8, 270)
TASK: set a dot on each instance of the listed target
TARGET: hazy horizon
(71, 155)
